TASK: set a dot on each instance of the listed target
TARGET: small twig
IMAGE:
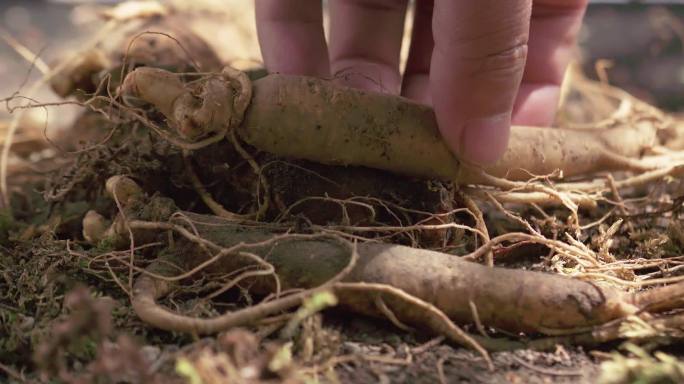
(24, 52)
(440, 370)
(427, 346)
(618, 198)
(245, 275)
(406, 228)
(546, 371)
(512, 215)
(12, 373)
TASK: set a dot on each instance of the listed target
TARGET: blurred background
(641, 44)
(55, 29)
(636, 45)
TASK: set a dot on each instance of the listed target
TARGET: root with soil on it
(387, 244)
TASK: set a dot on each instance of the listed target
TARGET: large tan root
(542, 151)
(409, 285)
(395, 134)
(385, 275)
(514, 300)
(313, 119)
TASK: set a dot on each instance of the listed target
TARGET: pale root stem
(480, 224)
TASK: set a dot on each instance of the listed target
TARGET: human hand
(482, 64)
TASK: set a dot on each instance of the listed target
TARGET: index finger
(479, 55)
(291, 36)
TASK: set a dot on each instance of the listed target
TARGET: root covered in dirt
(373, 278)
(232, 202)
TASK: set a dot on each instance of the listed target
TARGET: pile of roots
(269, 199)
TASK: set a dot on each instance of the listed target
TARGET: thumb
(476, 68)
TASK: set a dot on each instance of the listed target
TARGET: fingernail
(484, 141)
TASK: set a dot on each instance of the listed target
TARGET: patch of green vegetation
(641, 368)
(7, 224)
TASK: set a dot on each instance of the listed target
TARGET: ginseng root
(508, 299)
(313, 119)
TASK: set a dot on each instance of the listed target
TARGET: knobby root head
(212, 105)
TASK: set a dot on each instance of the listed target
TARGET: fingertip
(484, 141)
(291, 37)
(536, 104)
